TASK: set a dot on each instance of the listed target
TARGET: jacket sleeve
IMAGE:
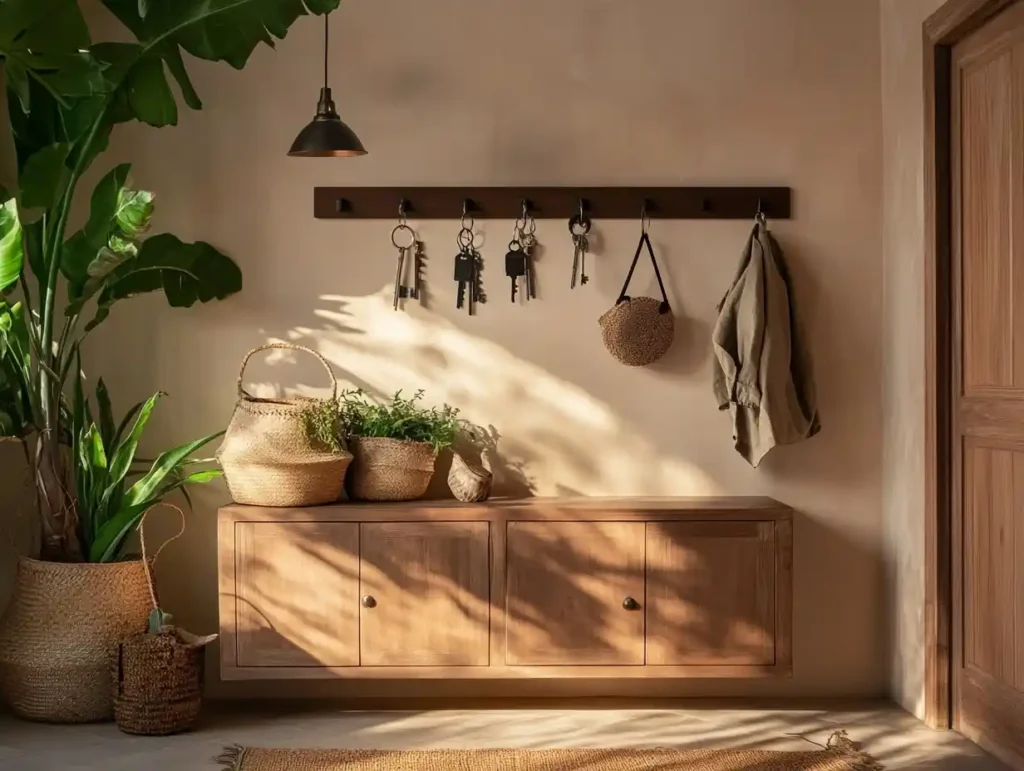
(739, 335)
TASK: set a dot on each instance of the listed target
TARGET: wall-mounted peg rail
(609, 203)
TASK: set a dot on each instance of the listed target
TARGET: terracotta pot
(389, 469)
(57, 637)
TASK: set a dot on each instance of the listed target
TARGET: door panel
(988, 384)
(297, 594)
(425, 594)
(710, 593)
(570, 587)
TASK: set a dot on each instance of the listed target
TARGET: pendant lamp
(327, 136)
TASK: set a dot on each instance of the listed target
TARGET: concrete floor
(889, 734)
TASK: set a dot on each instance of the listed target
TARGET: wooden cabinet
(425, 594)
(630, 588)
(575, 593)
(710, 593)
(297, 592)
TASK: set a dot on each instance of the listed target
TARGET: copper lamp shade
(327, 135)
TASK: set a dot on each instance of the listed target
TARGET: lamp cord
(326, 46)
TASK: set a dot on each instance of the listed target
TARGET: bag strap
(242, 393)
(623, 297)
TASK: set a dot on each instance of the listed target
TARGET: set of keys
(519, 259)
(401, 291)
(579, 228)
(467, 270)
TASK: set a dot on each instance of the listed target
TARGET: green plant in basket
(401, 418)
(113, 487)
(322, 419)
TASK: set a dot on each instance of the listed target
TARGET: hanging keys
(467, 265)
(515, 265)
(579, 228)
(398, 235)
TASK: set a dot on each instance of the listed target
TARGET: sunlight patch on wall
(553, 438)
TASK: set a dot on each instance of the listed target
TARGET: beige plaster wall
(455, 92)
(903, 342)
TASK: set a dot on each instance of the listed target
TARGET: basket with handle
(268, 456)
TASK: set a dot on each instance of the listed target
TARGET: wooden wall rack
(605, 203)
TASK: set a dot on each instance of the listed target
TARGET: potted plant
(66, 94)
(56, 635)
(394, 445)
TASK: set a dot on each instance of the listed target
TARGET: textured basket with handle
(269, 458)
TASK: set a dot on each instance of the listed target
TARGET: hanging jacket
(760, 370)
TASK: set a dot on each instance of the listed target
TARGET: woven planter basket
(56, 635)
(469, 483)
(267, 456)
(158, 684)
(390, 469)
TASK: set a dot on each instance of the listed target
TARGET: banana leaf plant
(66, 94)
(113, 487)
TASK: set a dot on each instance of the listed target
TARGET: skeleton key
(515, 265)
(579, 227)
(400, 291)
(465, 274)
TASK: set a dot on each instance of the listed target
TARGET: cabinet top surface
(530, 507)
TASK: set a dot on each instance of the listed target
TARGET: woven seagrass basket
(158, 684)
(390, 469)
(267, 455)
(56, 635)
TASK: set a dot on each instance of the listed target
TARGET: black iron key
(515, 266)
(465, 274)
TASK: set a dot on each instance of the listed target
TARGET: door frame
(951, 23)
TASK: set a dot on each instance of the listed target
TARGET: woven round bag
(639, 330)
(267, 454)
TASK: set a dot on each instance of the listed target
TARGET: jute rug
(839, 755)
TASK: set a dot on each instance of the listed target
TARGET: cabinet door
(710, 593)
(425, 594)
(297, 594)
(575, 593)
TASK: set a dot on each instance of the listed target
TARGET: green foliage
(322, 421)
(65, 95)
(112, 490)
(16, 409)
(400, 418)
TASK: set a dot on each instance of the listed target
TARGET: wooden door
(988, 387)
(575, 593)
(297, 594)
(710, 593)
(425, 594)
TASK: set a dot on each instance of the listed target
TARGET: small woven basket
(267, 455)
(469, 483)
(390, 469)
(158, 684)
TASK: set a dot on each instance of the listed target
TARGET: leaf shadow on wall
(549, 425)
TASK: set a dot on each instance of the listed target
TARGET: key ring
(580, 221)
(412, 236)
(465, 239)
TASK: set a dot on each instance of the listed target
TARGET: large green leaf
(44, 176)
(11, 249)
(149, 94)
(164, 465)
(118, 216)
(84, 246)
(187, 273)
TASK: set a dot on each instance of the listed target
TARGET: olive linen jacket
(761, 373)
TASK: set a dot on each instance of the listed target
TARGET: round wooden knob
(630, 604)
(369, 602)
